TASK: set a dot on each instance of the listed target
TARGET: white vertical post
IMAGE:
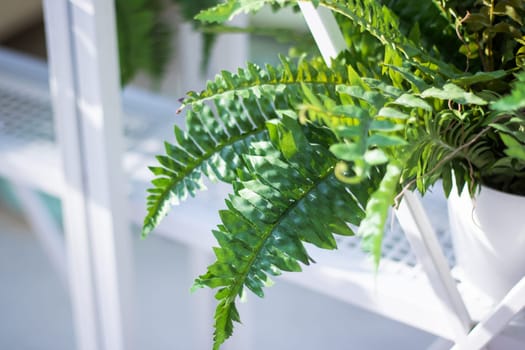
(325, 30)
(84, 81)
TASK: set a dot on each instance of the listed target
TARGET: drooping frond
(211, 146)
(372, 227)
(294, 198)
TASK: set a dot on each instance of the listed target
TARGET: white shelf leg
(423, 240)
(84, 83)
(491, 326)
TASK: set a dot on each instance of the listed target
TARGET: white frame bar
(85, 89)
(324, 29)
(495, 322)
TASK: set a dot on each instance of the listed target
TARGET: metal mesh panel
(23, 116)
(395, 245)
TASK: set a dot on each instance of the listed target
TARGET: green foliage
(231, 8)
(209, 148)
(216, 138)
(371, 228)
(508, 172)
(427, 91)
(424, 22)
(493, 32)
(144, 35)
(516, 100)
(290, 178)
(143, 38)
(189, 9)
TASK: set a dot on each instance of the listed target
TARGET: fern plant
(312, 151)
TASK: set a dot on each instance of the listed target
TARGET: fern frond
(272, 81)
(231, 8)
(242, 103)
(455, 140)
(383, 24)
(373, 226)
(429, 23)
(211, 146)
(369, 15)
(294, 198)
(370, 128)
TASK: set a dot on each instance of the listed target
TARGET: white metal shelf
(400, 290)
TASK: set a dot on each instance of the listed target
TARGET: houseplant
(427, 91)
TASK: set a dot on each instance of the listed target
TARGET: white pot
(488, 234)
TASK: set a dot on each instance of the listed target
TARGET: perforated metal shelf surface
(28, 153)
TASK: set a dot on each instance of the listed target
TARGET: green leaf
(411, 101)
(231, 8)
(454, 93)
(347, 151)
(514, 148)
(373, 225)
(268, 220)
(375, 157)
(207, 149)
(220, 13)
(389, 112)
(351, 111)
(479, 77)
(516, 99)
(382, 140)
(417, 83)
(385, 125)
(471, 50)
(373, 98)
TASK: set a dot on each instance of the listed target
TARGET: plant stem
(489, 51)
